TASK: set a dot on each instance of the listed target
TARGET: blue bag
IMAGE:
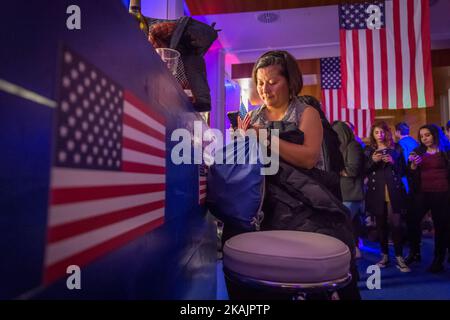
(236, 191)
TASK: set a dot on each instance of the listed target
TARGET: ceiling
(202, 7)
(302, 29)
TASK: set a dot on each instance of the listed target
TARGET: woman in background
(429, 181)
(352, 176)
(385, 198)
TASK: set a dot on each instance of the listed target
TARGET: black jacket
(333, 161)
(352, 152)
(301, 199)
(296, 201)
(352, 186)
(381, 174)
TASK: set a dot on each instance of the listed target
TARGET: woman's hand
(377, 157)
(387, 159)
(416, 160)
(243, 124)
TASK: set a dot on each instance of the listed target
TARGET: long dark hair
(388, 141)
(288, 65)
(439, 138)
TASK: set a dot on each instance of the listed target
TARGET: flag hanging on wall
(385, 55)
(330, 74)
(108, 178)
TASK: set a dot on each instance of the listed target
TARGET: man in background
(407, 143)
(447, 129)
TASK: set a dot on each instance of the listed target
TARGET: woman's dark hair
(345, 134)
(439, 138)
(288, 65)
(388, 141)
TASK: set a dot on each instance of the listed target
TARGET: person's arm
(414, 161)
(369, 163)
(306, 155)
(355, 160)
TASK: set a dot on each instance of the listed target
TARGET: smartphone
(232, 116)
(382, 152)
(242, 112)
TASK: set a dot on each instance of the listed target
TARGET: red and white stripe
(389, 68)
(202, 182)
(362, 119)
(93, 212)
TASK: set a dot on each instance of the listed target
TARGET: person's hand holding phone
(387, 158)
(415, 159)
(243, 124)
(377, 156)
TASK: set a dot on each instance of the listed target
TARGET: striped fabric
(108, 179)
(202, 183)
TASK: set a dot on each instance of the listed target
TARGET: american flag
(108, 174)
(386, 62)
(202, 182)
(330, 74)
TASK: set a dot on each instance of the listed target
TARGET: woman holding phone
(429, 179)
(278, 81)
(385, 197)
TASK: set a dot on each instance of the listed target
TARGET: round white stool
(293, 262)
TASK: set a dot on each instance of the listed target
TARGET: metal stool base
(296, 289)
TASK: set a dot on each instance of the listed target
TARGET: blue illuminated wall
(175, 261)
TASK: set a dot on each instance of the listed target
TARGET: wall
(175, 260)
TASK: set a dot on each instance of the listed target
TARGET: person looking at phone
(429, 176)
(278, 80)
(385, 197)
